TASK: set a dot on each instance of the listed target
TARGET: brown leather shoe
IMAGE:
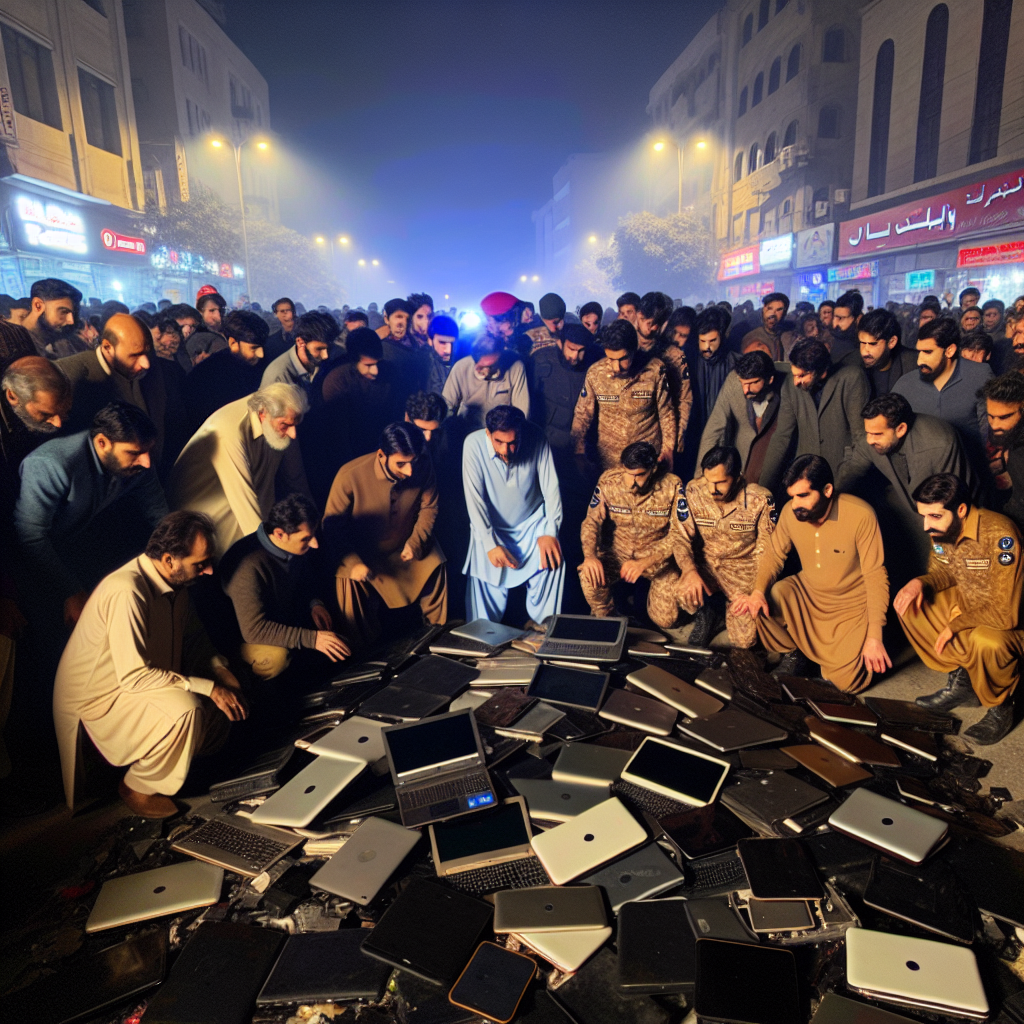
(147, 805)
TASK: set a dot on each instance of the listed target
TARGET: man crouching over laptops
(122, 679)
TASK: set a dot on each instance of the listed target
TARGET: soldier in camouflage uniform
(723, 526)
(627, 533)
(963, 616)
(626, 398)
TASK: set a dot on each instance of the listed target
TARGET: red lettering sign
(225, 270)
(122, 243)
(990, 255)
(739, 263)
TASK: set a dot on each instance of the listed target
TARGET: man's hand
(631, 571)
(73, 608)
(751, 604)
(230, 700)
(592, 571)
(407, 554)
(328, 642)
(360, 573)
(321, 616)
(875, 656)
(911, 596)
(943, 638)
(692, 588)
(501, 558)
(550, 552)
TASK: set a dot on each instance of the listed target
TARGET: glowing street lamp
(376, 263)
(362, 263)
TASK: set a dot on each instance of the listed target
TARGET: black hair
(777, 297)
(418, 299)
(710, 320)
(51, 288)
(755, 364)
(396, 306)
(317, 327)
(164, 323)
(183, 311)
(6, 302)
(214, 297)
(811, 356)
(640, 455)
(655, 306)
(142, 315)
(356, 314)
(893, 406)
(123, 423)
(619, 335)
(242, 325)
(881, 325)
(944, 331)
(486, 345)
(443, 325)
(976, 341)
(683, 316)
(723, 455)
(1009, 389)
(285, 301)
(505, 417)
(627, 299)
(176, 534)
(364, 342)
(290, 513)
(853, 301)
(812, 468)
(943, 489)
(932, 304)
(427, 406)
(826, 302)
(994, 304)
(402, 439)
(591, 307)
(968, 291)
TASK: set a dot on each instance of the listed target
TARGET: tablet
(573, 687)
(738, 983)
(779, 869)
(676, 772)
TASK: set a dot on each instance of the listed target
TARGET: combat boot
(706, 625)
(997, 722)
(794, 664)
(957, 693)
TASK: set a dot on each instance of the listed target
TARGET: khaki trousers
(741, 628)
(265, 661)
(662, 606)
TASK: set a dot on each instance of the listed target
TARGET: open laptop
(237, 845)
(437, 766)
(584, 638)
(888, 825)
(486, 632)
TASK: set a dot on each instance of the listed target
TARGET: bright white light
(343, 239)
(702, 144)
(470, 319)
(522, 277)
(592, 239)
(659, 146)
(319, 239)
(535, 278)
(362, 263)
(261, 145)
(216, 143)
(376, 263)
(117, 286)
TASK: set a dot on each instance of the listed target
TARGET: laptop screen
(480, 834)
(586, 630)
(569, 686)
(432, 742)
(678, 770)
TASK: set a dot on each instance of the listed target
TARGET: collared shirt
(957, 403)
(287, 368)
(472, 397)
(103, 363)
(271, 548)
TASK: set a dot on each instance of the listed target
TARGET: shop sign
(8, 126)
(114, 242)
(983, 206)
(920, 280)
(991, 255)
(739, 263)
(182, 261)
(853, 272)
(814, 246)
(51, 226)
(751, 289)
(776, 253)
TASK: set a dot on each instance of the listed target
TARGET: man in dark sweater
(272, 584)
(1004, 403)
(880, 352)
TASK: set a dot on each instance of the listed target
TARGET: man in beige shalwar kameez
(833, 610)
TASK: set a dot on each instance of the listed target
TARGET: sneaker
(998, 721)
(957, 693)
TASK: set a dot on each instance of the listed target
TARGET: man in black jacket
(881, 353)
(1004, 402)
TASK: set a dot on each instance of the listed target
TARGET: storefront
(177, 274)
(756, 270)
(860, 276)
(813, 254)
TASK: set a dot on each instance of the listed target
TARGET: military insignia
(607, 398)
(938, 549)
(978, 563)
(622, 510)
(596, 498)
(682, 510)
(1006, 558)
(659, 512)
(708, 523)
(583, 393)
(773, 512)
(741, 527)
(643, 394)
(1006, 543)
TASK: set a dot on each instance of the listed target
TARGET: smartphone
(779, 869)
(549, 908)
(494, 982)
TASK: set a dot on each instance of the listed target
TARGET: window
(988, 97)
(881, 104)
(834, 50)
(787, 207)
(241, 100)
(748, 29)
(737, 171)
(33, 85)
(793, 63)
(929, 111)
(97, 6)
(828, 123)
(198, 119)
(99, 108)
(789, 139)
(771, 146)
(754, 160)
(762, 14)
(758, 89)
(743, 102)
(193, 56)
(779, 4)
(775, 75)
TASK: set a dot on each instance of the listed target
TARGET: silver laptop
(438, 768)
(587, 764)
(584, 638)
(356, 739)
(693, 703)
(639, 875)
(921, 973)
(582, 845)
(236, 844)
(147, 894)
(506, 672)
(888, 825)
(548, 800)
(366, 861)
(568, 951)
(486, 632)
(301, 799)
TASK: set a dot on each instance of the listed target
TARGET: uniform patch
(978, 563)
(660, 512)
(741, 527)
(642, 394)
(710, 523)
(596, 498)
(682, 510)
(1006, 558)
(607, 398)
(621, 509)
(938, 549)
(773, 512)
(1006, 543)
(583, 393)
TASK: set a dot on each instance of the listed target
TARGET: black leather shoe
(794, 664)
(957, 693)
(706, 624)
(997, 722)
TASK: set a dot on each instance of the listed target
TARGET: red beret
(497, 303)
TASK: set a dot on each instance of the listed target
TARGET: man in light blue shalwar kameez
(515, 511)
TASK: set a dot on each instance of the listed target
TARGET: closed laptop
(356, 739)
(888, 825)
(548, 800)
(299, 801)
(589, 765)
(693, 702)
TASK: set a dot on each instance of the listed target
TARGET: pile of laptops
(600, 828)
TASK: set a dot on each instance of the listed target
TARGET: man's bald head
(38, 392)
(127, 345)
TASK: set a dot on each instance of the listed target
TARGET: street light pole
(241, 204)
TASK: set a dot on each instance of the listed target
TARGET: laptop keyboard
(255, 850)
(557, 647)
(718, 874)
(647, 800)
(478, 783)
(513, 874)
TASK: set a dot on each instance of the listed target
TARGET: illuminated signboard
(50, 226)
(184, 262)
(776, 252)
(920, 280)
(738, 264)
(814, 246)
(991, 255)
(854, 272)
(114, 242)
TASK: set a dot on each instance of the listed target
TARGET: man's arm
(420, 540)
(765, 529)
(519, 391)
(876, 579)
(583, 415)
(250, 591)
(230, 462)
(779, 545)
(717, 427)
(685, 530)
(855, 466)
(685, 403)
(666, 413)
(452, 393)
(590, 531)
(150, 496)
(338, 515)
(475, 487)
(856, 394)
(778, 447)
(548, 480)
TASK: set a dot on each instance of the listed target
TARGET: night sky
(430, 131)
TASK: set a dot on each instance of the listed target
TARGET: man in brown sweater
(833, 610)
(269, 579)
(379, 523)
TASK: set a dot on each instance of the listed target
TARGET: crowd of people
(206, 509)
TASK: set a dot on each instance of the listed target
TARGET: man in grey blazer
(820, 413)
(905, 448)
(746, 412)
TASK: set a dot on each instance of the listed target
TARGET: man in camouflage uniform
(723, 528)
(549, 332)
(626, 398)
(627, 533)
(963, 616)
